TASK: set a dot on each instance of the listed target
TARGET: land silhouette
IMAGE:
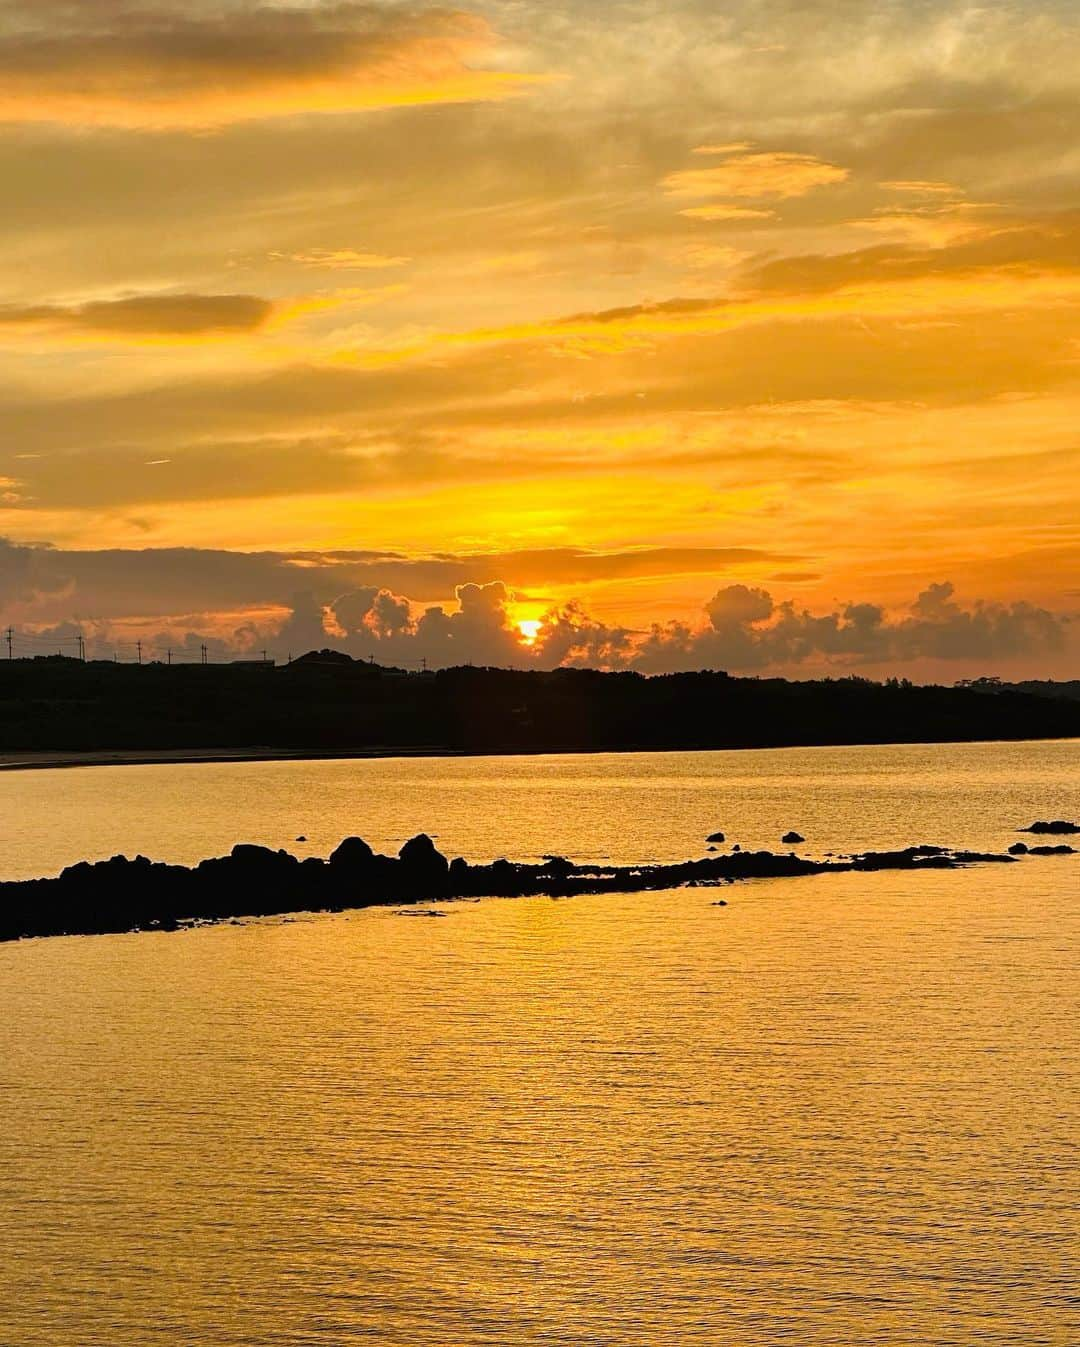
(121, 895)
(326, 703)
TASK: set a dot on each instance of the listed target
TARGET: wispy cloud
(341, 259)
(145, 315)
(733, 213)
(774, 174)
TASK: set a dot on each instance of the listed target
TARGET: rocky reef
(139, 894)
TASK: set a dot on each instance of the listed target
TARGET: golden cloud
(735, 148)
(145, 315)
(341, 259)
(727, 213)
(1019, 264)
(773, 174)
(936, 226)
(162, 70)
(922, 188)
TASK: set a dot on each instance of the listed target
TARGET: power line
(31, 645)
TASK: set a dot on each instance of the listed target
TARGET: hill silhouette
(328, 703)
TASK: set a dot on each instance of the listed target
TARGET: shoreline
(52, 759)
(55, 759)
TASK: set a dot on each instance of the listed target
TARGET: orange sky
(772, 295)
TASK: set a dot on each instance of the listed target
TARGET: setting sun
(530, 630)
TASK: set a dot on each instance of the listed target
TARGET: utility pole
(168, 655)
(82, 647)
(10, 638)
(138, 647)
(202, 652)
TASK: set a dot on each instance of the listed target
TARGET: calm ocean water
(840, 1110)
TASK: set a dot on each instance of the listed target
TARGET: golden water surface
(839, 1110)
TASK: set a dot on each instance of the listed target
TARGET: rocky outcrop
(1055, 826)
(129, 895)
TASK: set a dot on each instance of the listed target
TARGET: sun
(530, 630)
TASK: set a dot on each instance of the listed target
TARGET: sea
(840, 1109)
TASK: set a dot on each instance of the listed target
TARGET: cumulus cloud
(743, 629)
(747, 632)
(737, 606)
(569, 637)
(352, 609)
(175, 65)
(477, 629)
(367, 623)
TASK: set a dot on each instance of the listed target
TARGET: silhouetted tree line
(1067, 689)
(326, 702)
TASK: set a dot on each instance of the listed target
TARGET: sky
(613, 332)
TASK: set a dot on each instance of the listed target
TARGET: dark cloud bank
(353, 602)
(744, 630)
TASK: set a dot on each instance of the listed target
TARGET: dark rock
(259, 865)
(792, 837)
(716, 837)
(421, 850)
(352, 854)
(251, 853)
(424, 869)
(301, 838)
(1058, 826)
(1018, 849)
(1060, 850)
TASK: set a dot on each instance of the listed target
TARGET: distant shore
(148, 757)
(53, 759)
(64, 713)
